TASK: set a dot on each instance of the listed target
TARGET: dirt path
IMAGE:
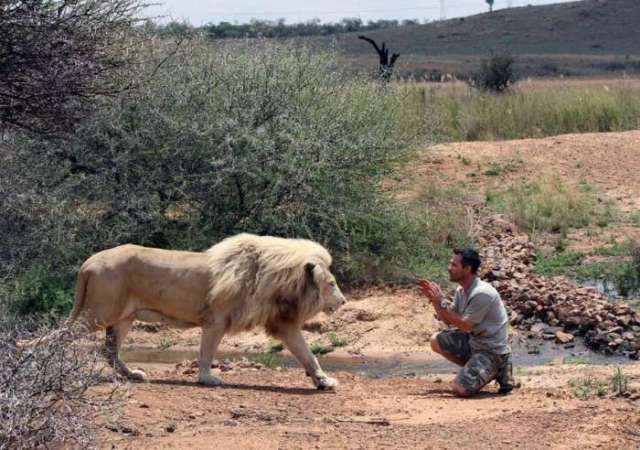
(269, 408)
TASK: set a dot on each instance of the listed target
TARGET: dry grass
(44, 389)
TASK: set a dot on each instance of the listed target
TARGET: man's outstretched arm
(433, 292)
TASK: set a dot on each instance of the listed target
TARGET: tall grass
(460, 113)
(550, 205)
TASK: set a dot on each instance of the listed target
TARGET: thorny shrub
(260, 137)
(45, 395)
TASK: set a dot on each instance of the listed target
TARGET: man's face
(456, 270)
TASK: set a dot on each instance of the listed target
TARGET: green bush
(496, 74)
(250, 136)
(41, 290)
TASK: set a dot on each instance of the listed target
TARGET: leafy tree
(490, 3)
(56, 56)
(496, 74)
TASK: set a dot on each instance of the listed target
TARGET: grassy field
(530, 109)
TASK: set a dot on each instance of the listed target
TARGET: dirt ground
(275, 408)
(270, 409)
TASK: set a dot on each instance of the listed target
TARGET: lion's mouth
(330, 309)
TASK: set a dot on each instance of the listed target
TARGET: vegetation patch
(460, 113)
(46, 395)
(318, 348)
(620, 276)
(261, 137)
(338, 341)
(40, 290)
(166, 342)
(268, 359)
(550, 205)
(524, 372)
(577, 360)
(619, 382)
(588, 386)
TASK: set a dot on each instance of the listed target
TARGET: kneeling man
(477, 340)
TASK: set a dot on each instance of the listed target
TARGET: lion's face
(331, 297)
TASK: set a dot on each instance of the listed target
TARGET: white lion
(242, 282)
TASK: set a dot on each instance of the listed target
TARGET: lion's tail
(81, 290)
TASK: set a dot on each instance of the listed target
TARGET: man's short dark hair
(469, 257)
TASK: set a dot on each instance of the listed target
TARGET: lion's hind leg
(113, 339)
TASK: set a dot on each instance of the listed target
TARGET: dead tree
(386, 63)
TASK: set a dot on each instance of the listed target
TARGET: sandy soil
(274, 409)
(277, 408)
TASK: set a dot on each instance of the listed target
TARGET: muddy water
(386, 365)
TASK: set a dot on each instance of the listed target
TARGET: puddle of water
(386, 365)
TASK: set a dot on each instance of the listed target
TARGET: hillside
(579, 38)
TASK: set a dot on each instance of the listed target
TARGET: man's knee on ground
(460, 391)
(435, 346)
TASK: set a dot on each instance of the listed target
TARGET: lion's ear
(308, 268)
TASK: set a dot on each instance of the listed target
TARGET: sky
(200, 12)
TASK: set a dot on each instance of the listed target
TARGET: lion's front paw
(209, 380)
(325, 383)
(137, 375)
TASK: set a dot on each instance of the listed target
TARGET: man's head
(463, 264)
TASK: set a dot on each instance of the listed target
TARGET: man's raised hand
(431, 290)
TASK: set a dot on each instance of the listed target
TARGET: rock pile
(568, 309)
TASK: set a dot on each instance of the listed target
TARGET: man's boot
(505, 377)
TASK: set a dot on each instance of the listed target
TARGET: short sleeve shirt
(481, 304)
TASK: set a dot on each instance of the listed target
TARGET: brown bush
(45, 395)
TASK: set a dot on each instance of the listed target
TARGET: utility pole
(509, 3)
(443, 12)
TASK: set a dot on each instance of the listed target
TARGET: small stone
(367, 316)
(538, 327)
(563, 338)
(547, 336)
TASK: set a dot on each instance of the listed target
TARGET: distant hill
(588, 37)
